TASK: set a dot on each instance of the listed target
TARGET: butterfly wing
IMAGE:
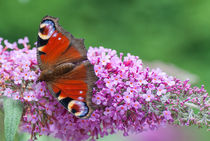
(74, 89)
(55, 48)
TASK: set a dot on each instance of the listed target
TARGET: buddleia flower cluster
(130, 98)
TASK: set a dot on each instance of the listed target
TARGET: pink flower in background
(168, 134)
(130, 98)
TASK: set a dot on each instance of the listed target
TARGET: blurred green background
(172, 31)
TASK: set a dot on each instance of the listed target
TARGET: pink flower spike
(108, 111)
(97, 99)
(167, 115)
(161, 90)
(141, 80)
(136, 105)
(126, 97)
(10, 45)
(149, 96)
(24, 42)
(121, 109)
(170, 81)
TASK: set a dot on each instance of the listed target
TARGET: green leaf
(1, 125)
(12, 113)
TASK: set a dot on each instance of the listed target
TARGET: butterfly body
(48, 75)
(65, 68)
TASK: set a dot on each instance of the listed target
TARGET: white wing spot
(59, 38)
(80, 92)
(80, 98)
(54, 35)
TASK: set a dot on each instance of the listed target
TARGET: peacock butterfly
(65, 68)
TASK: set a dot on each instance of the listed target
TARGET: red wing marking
(75, 89)
(58, 49)
(72, 84)
(56, 45)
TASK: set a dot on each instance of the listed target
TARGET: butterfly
(64, 66)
